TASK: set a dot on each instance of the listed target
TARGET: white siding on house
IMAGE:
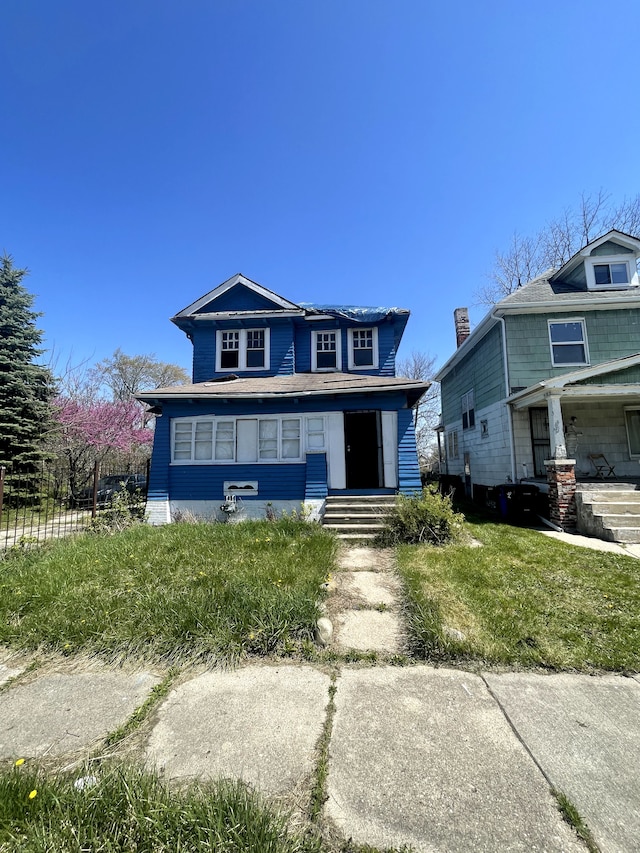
(522, 442)
(489, 455)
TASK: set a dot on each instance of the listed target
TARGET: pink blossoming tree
(90, 430)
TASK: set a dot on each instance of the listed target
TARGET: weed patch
(427, 517)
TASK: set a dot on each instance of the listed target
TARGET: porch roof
(295, 385)
(568, 384)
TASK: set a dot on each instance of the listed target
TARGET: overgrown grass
(523, 599)
(123, 809)
(212, 592)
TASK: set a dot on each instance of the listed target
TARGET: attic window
(605, 274)
(242, 349)
(610, 272)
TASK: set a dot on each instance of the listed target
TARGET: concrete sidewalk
(440, 759)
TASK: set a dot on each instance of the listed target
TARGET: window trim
(452, 446)
(559, 321)
(374, 345)
(468, 411)
(242, 349)
(303, 438)
(600, 260)
(632, 455)
(314, 350)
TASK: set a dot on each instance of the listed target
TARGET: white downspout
(507, 390)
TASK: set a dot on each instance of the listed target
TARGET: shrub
(425, 517)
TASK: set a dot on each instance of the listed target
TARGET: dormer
(608, 263)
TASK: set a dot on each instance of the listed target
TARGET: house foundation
(561, 477)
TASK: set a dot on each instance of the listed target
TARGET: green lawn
(523, 599)
(212, 592)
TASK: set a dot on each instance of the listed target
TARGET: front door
(363, 450)
(540, 440)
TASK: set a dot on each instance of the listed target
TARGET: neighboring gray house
(550, 378)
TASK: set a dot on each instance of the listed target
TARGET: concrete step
(628, 519)
(358, 509)
(614, 508)
(356, 537)
(361, 500)
(356, 526)
(344, 513)
(613, 496)
(622, 534)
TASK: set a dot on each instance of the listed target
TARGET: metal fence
(50, 500)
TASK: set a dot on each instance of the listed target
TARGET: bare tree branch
(421, 365)
(557, 242)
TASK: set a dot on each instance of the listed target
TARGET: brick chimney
(461, 320)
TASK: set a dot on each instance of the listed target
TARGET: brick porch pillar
(561, 477)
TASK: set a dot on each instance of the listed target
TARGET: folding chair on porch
(603, 468)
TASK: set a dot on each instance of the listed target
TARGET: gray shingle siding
(481, 370)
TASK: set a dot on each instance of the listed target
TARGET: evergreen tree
(25, 386)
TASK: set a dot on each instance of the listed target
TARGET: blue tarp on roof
(353, 312)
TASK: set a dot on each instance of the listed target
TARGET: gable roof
(551, 292)
(273, 300)
(627, 241)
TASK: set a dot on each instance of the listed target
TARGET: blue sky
(372, 152)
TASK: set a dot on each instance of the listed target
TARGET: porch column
(561, 477)
(561, 472)
(556, 427)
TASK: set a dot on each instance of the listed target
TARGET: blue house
(289, 403)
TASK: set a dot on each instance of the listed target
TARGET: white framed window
(242, 349)
(326, 350)
(207, 439)
(452, 444)
(468, 410)
(568, 341)
(363, 349)
(316, 433)
(632, 421)
(611, 272)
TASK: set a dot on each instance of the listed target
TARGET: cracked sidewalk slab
(585, 733)
(59, 713)
(260, 723)
(425, 757)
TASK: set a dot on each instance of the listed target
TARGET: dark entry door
(540, 440)
(363, 449)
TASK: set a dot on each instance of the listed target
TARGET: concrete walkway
(439, 759)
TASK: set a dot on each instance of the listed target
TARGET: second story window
(363, 348)
(325, 350)
(568, 343)
(242, 349)
(468, 411)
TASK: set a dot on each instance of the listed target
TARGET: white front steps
(358, 518)
(609, 511)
